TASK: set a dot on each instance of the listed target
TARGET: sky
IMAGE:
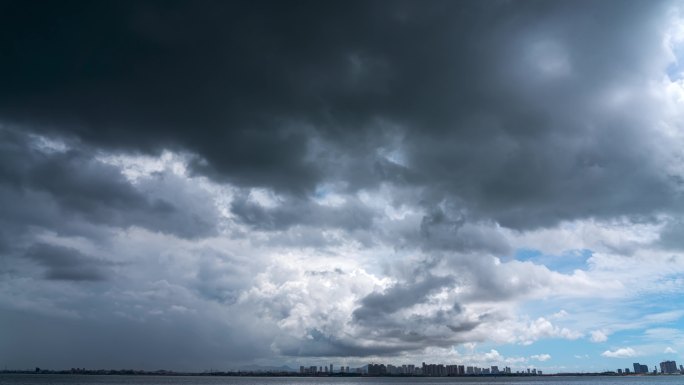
(212, 185)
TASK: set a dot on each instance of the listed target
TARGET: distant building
(668, 367)
(434, 370)
(640, 369)
(377, 369)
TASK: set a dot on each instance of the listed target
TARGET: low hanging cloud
(64, 263)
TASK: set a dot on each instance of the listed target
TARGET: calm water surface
(28, 379)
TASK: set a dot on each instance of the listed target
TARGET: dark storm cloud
(672, 236)
(78, 182)
(386, 332)
(447, 228)
(294, 211)
(492, 97)
(401, 296)
(386, 343)
(463, 327)
(65, 263)
(61, 190)
(325, 345)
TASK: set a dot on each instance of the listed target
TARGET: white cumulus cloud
(598, 336)
(620, 353)
(541, 357)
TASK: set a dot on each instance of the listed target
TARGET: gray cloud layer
(496, 101)
(67, 264)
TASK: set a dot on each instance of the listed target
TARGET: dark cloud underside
(490, 97)
(64, 263)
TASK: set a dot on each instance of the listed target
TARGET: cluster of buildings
(317, 370)
(440, 370)
(666, 367)
(427, 370)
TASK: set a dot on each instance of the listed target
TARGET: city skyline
(667, 367)
(224, 184)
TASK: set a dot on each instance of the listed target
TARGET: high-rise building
(377, 369)
(668, 367)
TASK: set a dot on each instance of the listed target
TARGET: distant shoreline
(166, 373)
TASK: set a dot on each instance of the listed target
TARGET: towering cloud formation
(267, 180)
